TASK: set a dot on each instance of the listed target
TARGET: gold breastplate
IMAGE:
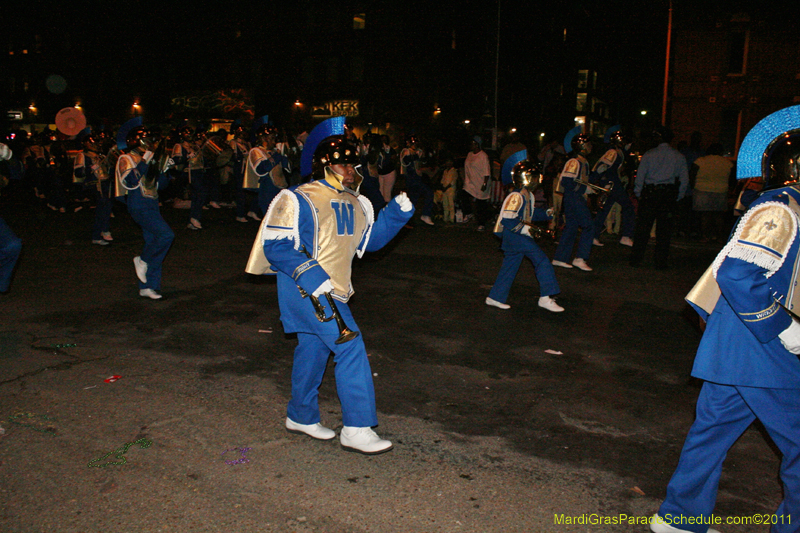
(340, 226)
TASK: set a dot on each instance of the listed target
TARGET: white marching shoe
(316, 431)
(658, 525)
(561, 264)
(149, 293)
(141, 269)
(363, 440)
(596, 242)
(495, 303)
(626, 241)
(581, 264)
(545, 302)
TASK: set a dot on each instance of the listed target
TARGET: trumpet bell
(346, 335)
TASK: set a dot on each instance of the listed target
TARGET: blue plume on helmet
(323, 130)
(85, 132)
(611, 131)
(508, 166)
(751, 153)
(577, 130)
(124, 130)
(260, 121)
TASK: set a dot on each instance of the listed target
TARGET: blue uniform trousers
(353, 379)
(10, 248)
(267, 191)
(577, 215)
(628, 212)
(102, 213)
(724, 412)
(158, 237)
(419, 189)
(545, 274)
(198, 194)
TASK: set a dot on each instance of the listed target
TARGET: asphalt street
(502, 420)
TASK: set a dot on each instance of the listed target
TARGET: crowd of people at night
(325, 196)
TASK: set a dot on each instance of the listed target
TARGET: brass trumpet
(601, 200)
(600, 189)
(537, 232)
(345, 334)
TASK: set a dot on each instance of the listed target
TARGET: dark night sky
(141, 42)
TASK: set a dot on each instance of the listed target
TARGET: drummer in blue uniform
(748, 356)
(515, 225)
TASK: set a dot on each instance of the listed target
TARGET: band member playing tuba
(309, 237)
(138, 188)
(514, 225)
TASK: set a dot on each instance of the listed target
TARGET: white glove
(790, 337)
(326, 286)
(148, 155)
(526, 230)
(404, 203)
(5, 152)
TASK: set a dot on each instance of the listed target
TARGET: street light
(643, 112)
(466, 121)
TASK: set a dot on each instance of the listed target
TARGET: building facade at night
(729, 73)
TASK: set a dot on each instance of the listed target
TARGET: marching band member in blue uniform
(10, 244)
(245, 206)
(137, 185)
(188, 159)
(514, 225)
(309, 237)
(265, 166)
(747, 357)
(607, 171)
(417, 188)
(573, 183)
(89, 169)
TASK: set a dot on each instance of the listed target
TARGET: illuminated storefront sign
(336, 108)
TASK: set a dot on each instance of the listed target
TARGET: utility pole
(666, 68)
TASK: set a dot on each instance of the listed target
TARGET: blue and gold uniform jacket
(747, 295)
(574, 176)
(332, 225)
(607, 168)
(518, 209)
(265, 169)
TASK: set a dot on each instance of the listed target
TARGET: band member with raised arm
(309, 237)
(265, 166)
(138, 178)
